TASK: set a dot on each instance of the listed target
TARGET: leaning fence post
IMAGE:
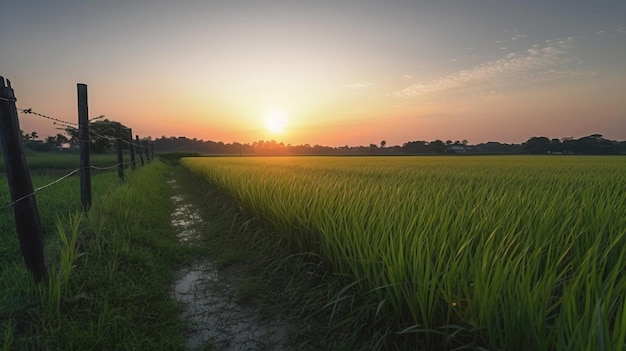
(27, 222)
(131, 149)
(120, 157)
(83, 145)
(139, 149)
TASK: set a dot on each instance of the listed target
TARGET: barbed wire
(56, 120)
(30, 111)
(110, 138)
(67, 126)
(111, 167)
(96, 118)
(40, 188)
(72, 125)
(128, 142)
(74, 171)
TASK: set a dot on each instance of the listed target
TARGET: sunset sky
(336, 72)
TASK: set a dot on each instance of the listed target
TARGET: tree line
(593, 144)
(103, 132)
(102, 135)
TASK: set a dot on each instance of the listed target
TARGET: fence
(27, 221)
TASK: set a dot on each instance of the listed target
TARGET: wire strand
(113, 166)
(96, 118)
(62, 178)
(30, 111)
(104, 168)
(40, 188)
(71, 125)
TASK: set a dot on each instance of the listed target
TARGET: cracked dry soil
(208, 297)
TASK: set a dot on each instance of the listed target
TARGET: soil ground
(209, 295)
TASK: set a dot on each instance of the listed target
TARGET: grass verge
(110, 279)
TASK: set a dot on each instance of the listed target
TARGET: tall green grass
(110, 270)
(40, 162)
(57, 206)
(505, 252)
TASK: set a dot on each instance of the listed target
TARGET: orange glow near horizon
(344, 116)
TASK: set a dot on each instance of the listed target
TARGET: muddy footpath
(208, 296)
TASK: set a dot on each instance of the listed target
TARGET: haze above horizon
(351, 72)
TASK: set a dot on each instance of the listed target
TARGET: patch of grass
(47, 161)
(110, 285)
(173, 158)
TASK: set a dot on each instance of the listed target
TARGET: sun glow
(275, 121)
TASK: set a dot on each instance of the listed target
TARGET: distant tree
(437, 146)
(415, 147)
(52, 140)
(62, 139)
(493, 147)
(595, 144)
(555, 145)
(537, 145)
(383, 144)
(101, 134)
(25, 136)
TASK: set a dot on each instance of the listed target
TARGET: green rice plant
(7, 340)
(61, 270)
(519, 252)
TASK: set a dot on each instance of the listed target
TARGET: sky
(341, 72)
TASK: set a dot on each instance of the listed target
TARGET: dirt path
(208, 296)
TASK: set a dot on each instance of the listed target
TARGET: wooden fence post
(131, 149)
(120, 157)
(83, 146)
(145, 149)
(27, 221)
(152, 151)
(139, 149)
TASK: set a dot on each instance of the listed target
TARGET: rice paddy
(503, 252)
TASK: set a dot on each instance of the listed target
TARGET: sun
(275, 121)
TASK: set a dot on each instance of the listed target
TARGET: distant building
(458, 149)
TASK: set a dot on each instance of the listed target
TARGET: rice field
(516, 253)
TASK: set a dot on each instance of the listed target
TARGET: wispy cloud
(611, 33)
(539, 63)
